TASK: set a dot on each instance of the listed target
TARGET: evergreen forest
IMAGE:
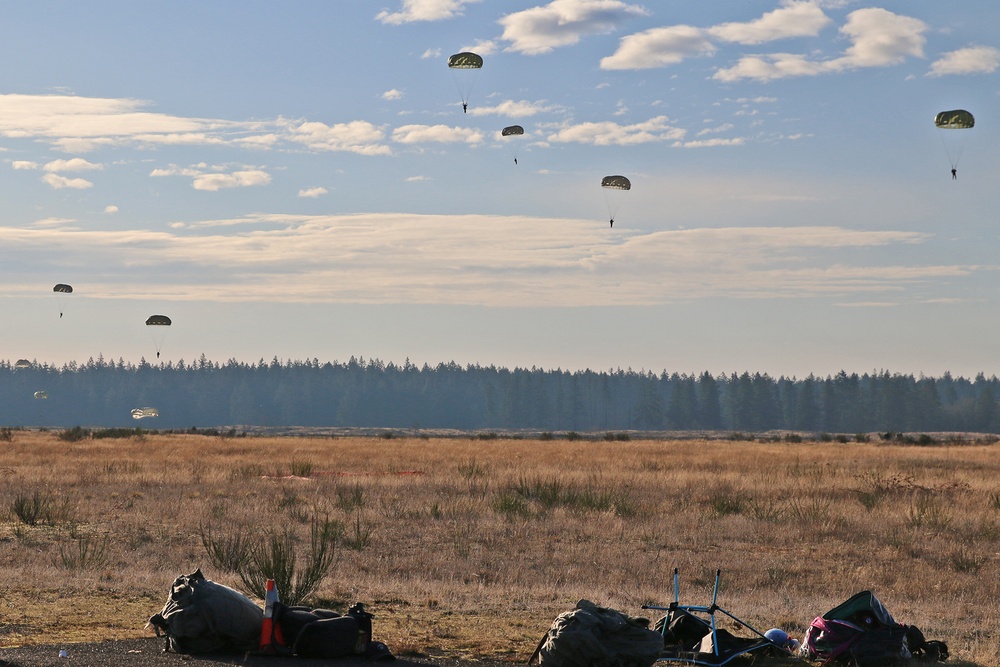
(373, 394)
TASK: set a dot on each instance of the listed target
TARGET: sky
(299, 180)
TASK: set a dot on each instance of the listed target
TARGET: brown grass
(469, 548)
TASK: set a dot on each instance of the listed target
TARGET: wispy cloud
(57, 182)
(312, 193)
(710, 143)
(479, 260)
(217, 178)
(83, 124)
(563, 23)
(515, 109)
(418, 134)
(609, 133)
(75, 164)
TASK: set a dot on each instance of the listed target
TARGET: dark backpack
(592, 636)
(322, 633)
(201, 616)
(861, 632)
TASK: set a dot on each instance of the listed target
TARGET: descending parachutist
(515, 160)
(954, 174)
(612, 222)
(465, 107)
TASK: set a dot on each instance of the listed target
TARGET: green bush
(74, 434)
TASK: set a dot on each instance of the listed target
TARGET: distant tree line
(375, 394)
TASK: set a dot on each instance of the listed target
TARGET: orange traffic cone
(269, 633)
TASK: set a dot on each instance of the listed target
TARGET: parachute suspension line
(953, 148)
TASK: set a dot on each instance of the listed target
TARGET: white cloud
(484, 47)
(216, 178)
(772, 66)
(725, 127)
(24, 164)
(110, 208)
(359, 137)
(75, 164)
(416, 134)
(659, 47)
(514, 109)
(423, 10)
(393, 94)
(430, 53)
(479, 260)
(312, 193)
(881, 38)
(970, 60)
(238, 179)
(878, 37)
(563, 23)
(709, 143)
(81, 124)
(608, 133)
(670, 45)
(57, 182)
(795, 19)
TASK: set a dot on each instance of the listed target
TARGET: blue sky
(299, 180)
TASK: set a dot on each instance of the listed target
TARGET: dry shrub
(469, 546)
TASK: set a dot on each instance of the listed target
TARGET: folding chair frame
(714, 659)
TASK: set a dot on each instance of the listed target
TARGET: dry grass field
(468, 548)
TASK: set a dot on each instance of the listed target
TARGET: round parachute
(61, 290)
(465, 60)
(465, 80)
(957, 119)
(158, 334)
(22, 363)
(142, 413)
(614, 188)
(513, 133)
(41, 394)
(616, 183)
(954, 142)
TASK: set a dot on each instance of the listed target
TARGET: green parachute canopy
(957, 119)
(954, 142)
(615, 189)
(158, 334)
(465, 60)
(616, 183)
(142, 413)
(22, 363)
(512, 131)
(41, 394)
(465, 68)
(61, 290)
